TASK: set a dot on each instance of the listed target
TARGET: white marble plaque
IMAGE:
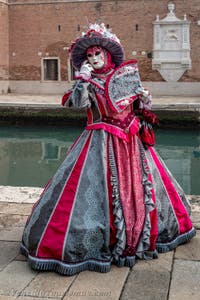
(171, 52)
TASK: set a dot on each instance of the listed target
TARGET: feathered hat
(96, 35)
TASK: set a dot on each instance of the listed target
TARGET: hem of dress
(64, 268)
(181, 239)
(147, 255)
(127, 261)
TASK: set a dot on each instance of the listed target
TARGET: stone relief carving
(171, 51)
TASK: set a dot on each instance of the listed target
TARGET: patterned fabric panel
(176, 185)
(44, 208)
(89, 232)
(168, 227)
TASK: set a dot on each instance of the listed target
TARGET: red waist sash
(123, 129)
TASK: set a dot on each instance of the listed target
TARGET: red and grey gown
(112, 200)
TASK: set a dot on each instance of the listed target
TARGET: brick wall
(4, 47)
(46, 28)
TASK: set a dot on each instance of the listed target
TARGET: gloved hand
(85, 70)
(145, 98)
(144, 94)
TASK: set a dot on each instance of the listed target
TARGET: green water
(29, 156)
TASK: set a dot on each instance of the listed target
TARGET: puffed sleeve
(78, 96)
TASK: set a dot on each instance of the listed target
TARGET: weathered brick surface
(46, 28)
(4, 45)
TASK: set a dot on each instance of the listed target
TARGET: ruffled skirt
(110, 201)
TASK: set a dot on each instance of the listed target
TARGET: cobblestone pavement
(173, 276)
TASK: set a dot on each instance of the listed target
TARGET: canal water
(29, 156)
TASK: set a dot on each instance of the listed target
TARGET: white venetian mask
(95, 56)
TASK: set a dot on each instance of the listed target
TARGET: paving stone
(8, 251)
(11, 234)
(185, 284)
(19, 194)
(15, 277)
(191, 250)
(196, 219)
(195, 216)
(35, 298)
(101, 286)
(21, 257)
(7, 220)
(194, 201)
(15, 208)
(9, 298)
(149, 280)
(49, 284)
(195, 210)
(197, 226)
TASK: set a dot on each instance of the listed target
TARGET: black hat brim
(78, 51)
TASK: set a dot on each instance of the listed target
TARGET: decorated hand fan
(123, 86)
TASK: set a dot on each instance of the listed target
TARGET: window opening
(50, 67)
(71, 71)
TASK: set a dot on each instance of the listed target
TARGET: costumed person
(112, 200)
